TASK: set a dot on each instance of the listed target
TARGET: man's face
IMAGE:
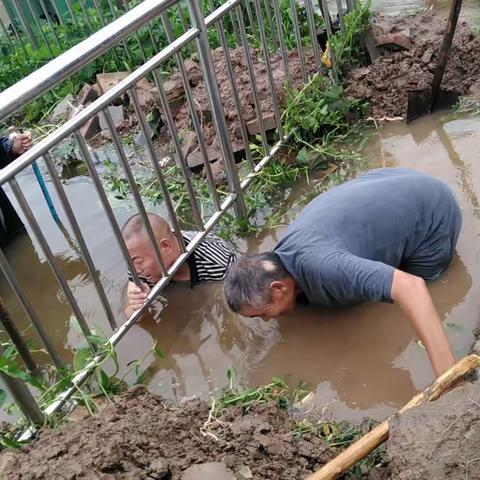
(144, 258)
(282, 300)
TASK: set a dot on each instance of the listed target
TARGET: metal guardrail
(77, 57)
(41, 23)
(251, 20)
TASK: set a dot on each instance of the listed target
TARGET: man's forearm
(412, 296)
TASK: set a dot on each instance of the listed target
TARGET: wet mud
(138, 437)
(385, 83)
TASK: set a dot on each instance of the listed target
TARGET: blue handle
(43, 187)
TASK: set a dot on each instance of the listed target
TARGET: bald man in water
(209, 262)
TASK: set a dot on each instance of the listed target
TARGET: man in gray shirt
(375, 238)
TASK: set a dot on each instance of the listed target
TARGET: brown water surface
(359, 361)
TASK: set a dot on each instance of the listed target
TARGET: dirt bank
(180, 109)
(139, 438)
(439, 440)
(385, 83)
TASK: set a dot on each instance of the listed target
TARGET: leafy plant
(101, 384)
(276, 391)
(346, 45)
(320, 109)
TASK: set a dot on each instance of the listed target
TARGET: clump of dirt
(138, 437)
(386, 82)
(438, 440)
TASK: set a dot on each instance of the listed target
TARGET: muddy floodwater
(358, 361)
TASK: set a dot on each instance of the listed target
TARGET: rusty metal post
(22, 396)
(12, 331)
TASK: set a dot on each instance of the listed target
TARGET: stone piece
(396, 41)
(88, 94)
(90, 128)
(117, 116)
(218, 172)
(208, 471)
(195, 159)
(106, 81)
(62, 110)
(253, 127)
(173, 88)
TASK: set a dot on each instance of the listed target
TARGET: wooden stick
(445, 48)
(362, 447)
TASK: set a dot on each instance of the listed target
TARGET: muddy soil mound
(385, 83)
(438, 440)
(138, 437)
(181, 111)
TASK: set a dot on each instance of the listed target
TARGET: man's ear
(165, 244)
(278, 288)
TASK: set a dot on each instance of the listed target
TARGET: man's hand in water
(21, 143)
(136, 296)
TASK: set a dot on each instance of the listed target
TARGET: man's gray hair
(248, 280)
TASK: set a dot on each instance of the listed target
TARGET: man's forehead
(138, 244)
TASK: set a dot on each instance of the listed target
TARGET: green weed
(102, 384)
(276, 391)
(338, 436)
(347, 46)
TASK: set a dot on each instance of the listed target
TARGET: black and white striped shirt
(209, 261)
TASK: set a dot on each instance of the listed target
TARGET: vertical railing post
(210, 78)
(22, 396)
(12, 331)
(24, 22)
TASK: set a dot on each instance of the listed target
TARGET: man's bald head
(141, 250)
(134, 227)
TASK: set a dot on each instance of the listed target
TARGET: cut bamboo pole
(362, 447)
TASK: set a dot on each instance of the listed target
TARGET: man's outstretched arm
(411, 294)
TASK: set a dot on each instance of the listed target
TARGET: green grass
(104, 381)
(340, 435)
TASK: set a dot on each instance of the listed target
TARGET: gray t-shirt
(344, 246)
